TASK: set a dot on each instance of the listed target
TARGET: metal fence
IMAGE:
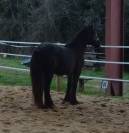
(35, 44)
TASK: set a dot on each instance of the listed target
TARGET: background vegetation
(16, 78)
(53, 20)
(48, 20)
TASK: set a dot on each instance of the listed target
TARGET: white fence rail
(3, 42)
(103, 78)
(107, 62)
(23, 43)
(111, 46)
(13, 68)
(16, 55)
(81, 77)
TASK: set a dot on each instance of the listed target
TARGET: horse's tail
(37, 80)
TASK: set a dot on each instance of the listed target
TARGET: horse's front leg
(69, 84)
(71, 90)
(47, 97)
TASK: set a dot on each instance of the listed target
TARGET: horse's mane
(81, 37)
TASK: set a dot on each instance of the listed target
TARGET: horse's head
(91, 36)
(87, 36)
(92, 40)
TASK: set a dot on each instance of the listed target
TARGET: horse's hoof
(40, 106)
(55, 109)
(65, 101)
(74, 102)
(49, 106)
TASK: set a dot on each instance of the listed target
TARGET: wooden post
(114, 36)
(81, 85)
(58, 83)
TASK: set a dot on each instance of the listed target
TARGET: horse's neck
(80, 54)
(79, 48)
(78, 51)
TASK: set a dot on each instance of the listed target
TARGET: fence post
(58, 83)
(81, 85)
(114, 36)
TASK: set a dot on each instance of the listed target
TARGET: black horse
(49, 59)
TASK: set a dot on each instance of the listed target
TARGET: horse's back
(58, 59)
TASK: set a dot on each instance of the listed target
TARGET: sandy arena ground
(94, 115)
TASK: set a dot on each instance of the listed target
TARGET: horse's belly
(61, 72)
(64, 69)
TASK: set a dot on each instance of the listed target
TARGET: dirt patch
(94, 115)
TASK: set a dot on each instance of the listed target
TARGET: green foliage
(93, 72)
(50, 20)
(92, 87)
(8, 77)
(47, 20)
(11, 62)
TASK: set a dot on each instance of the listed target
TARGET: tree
(48, 20)
(14, 19)
(126, 32)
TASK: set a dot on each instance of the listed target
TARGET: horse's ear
(88, 27)
(91, 27)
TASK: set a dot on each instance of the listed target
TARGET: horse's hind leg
(47, 97)
(73, 99)
(35, 73)
(37, 90)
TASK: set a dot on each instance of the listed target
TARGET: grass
(9, 77)
(94, 72)
(12, 62)
(14, 78)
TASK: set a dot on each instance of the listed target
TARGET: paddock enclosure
(94, 115)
